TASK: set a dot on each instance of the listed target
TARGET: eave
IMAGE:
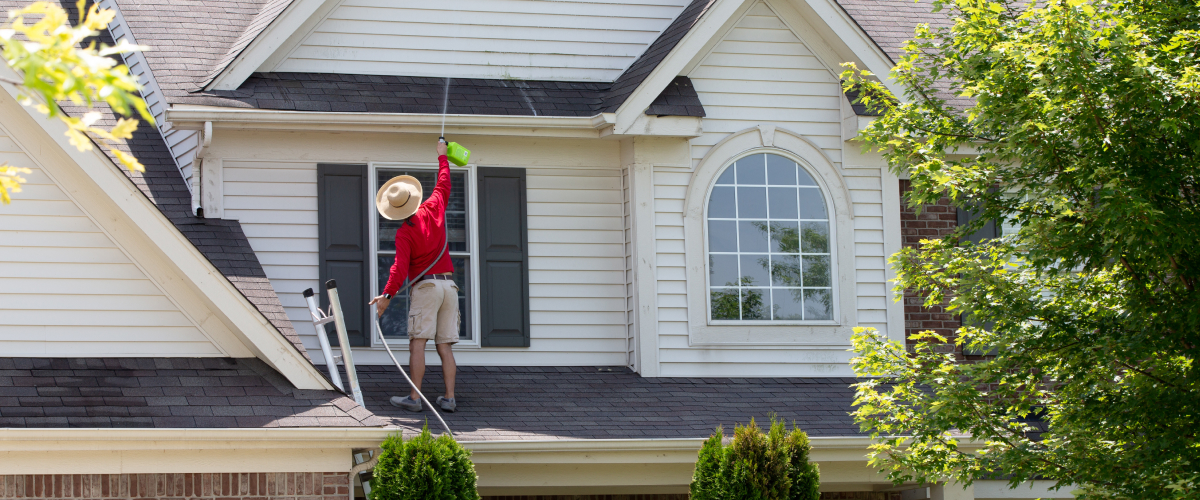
(192, 117)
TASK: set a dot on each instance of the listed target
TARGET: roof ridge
(269, 12)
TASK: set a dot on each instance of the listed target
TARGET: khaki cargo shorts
(433, 313)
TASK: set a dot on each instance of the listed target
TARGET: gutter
(16, 439)
(192, 117)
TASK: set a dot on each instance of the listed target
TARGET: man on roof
(433, 299)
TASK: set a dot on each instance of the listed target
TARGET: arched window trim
(829, 334)
(833, 238)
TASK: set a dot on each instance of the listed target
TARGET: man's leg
(448, 367)
(416, 364)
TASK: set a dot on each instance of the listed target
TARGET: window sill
(828, 335)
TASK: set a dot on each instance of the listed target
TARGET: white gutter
(192, 117)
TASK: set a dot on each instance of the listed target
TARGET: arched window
(768, 243)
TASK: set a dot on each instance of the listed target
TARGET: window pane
(726, 178)
(395, 319)
(812, 204)
(721, 204)
(722, 236)
(814, 237)
(816, 270)
(755, 269)
(783, 203)
(752, 235)
(752, 202)
(785, 270)
(751, 170)
(723, 270)
(781, 171)
(753, 305)
(785, 237)
(725, 303)
(805, 179)
(818, 304)
(786, 304)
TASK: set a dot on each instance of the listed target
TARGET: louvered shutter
(343, 201)
(504, 258)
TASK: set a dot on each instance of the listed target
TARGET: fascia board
(253, 330)
(192, 117)
(863, 47)
(713, 23)
(499, 451)
(268, 42)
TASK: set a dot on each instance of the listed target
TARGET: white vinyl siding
(577, 279)
(762, 73)
(67, 290)
(521, 39)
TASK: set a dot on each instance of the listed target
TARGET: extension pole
(344, 341)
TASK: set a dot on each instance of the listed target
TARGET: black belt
(437, 277)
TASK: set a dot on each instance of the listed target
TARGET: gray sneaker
(448, 405)
(406, 402)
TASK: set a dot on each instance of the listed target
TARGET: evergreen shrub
(756, 466)
(422, 468)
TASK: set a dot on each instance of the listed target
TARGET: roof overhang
(192, 117)
(76, 450)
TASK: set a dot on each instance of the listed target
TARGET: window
(768, 237)
(458, 223)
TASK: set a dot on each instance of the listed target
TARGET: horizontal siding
(522, 39)
(576, 257)
(763, 73)
(66, 290)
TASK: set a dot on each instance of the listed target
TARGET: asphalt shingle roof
(192, 41)
(891, 23)
(637, 72)
(536, 403)
(164, 393)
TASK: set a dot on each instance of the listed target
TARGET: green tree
(423, 468)
(1083, 120)
(56, 66)
(756, 466)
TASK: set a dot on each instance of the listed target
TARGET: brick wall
(658, 496)
(935, 221)
(261, 486)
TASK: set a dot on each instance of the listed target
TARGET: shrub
(422, 468)
(756, 466)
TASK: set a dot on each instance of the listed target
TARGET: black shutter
(987, 232)
(504, 258)
(343, 200)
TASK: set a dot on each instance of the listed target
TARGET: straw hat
(399, 197)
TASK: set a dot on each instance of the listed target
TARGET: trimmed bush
(422, 468)
(756, 466)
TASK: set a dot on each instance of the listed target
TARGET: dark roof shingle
(535, 403)
(164, 393)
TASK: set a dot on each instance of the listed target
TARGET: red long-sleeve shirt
(422, 236)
